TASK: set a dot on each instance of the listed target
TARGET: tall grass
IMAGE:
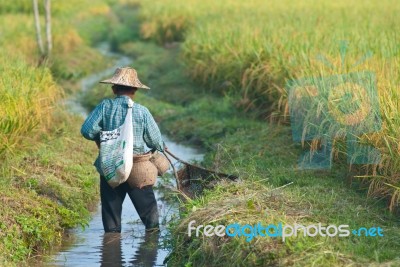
(253, 48)
(47, 182)
(27, 95)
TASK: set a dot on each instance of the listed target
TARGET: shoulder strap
(130, 103)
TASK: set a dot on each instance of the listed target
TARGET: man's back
(110, 114)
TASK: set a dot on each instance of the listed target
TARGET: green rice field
(220, 73)
(253, 48)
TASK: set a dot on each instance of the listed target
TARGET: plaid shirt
(110, 114)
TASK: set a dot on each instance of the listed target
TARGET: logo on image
(323, 109)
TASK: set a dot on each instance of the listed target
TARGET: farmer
(109, 115)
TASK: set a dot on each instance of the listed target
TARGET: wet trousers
(111, 205)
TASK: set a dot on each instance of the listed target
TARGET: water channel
(133, 247)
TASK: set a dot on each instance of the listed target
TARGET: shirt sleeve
(152, 135)
(93, 124)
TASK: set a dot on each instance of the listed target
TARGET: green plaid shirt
(110, 114)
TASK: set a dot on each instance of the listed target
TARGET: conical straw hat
(126, 76)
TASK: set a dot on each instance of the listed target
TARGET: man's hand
(165, 146)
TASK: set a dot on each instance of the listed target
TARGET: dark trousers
(111, 205)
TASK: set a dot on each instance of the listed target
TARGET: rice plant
(253, 48)
(28, 93)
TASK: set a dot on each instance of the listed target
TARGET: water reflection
(111, 250)
(145, 256)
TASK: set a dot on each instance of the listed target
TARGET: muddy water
(133, 247)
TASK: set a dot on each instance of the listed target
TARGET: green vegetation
(236, 57)
(264, 157)
(271, 190)
(253, 48)
(47, 179)
(22, 111)
(45, 190)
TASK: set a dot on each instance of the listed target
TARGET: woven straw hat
(126, 76)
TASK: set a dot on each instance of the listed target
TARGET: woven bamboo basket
(161, 162)
(143, 173)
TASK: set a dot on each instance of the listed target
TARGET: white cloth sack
(116, 151)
